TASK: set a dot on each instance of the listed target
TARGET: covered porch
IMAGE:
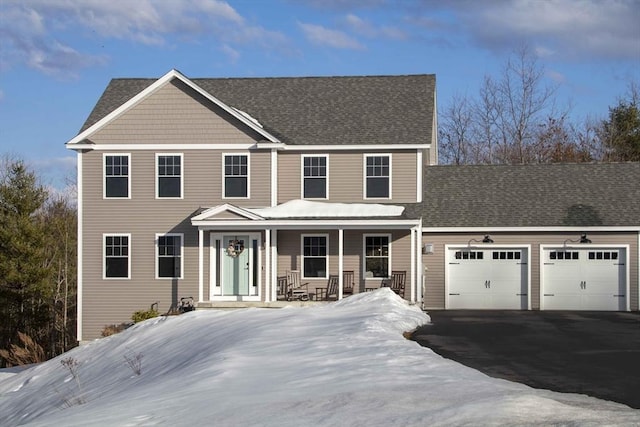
(246, 257)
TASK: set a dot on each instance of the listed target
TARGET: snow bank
(345, 363)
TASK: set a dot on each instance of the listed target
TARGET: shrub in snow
(141, 315)
(29, 352)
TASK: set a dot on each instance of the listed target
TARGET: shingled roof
(314, 110)
(554, 195)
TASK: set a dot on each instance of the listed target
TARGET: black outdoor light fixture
(486, 239)
(583, 239)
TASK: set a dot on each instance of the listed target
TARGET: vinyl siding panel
(175, 114)
(346, 175)
(142, 216)
(434, 296)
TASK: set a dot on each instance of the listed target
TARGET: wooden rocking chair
(296, 290)
(331, 291)
(347, 283)
(398, 279)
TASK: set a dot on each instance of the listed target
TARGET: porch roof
(305, 213)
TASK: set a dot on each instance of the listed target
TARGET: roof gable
(152, 88)
(225, 212)
(360, 110)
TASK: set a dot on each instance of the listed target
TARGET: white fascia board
(202, 217)
(529, 229)
(360, 147)
(152, 88)
(307, 224)
(156, 147)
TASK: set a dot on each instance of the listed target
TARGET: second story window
(377, 177)
(236, 176)
(169, 167)
(314, 177)
(116, 176)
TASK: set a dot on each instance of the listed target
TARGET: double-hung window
(377, 176)
(116, 256)
(169, 255)
(169, 168)
(314, 255)
(314, 177)
(376, 255)
(236, 176)
(116, 175)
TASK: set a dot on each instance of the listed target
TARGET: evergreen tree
(621, 132)
(24, 270)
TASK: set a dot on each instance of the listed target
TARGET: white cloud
(367, 29)
(572, 29)
(320, 35)
(231, 53)
(32, 29)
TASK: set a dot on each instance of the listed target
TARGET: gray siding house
(233, 190)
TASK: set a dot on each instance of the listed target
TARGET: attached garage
(592, 278)
(488, 278)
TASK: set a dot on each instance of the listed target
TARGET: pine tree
(24, 270)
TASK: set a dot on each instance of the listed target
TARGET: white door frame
(215, 263)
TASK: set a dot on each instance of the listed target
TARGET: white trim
(365, 156)
(224, 175)
(215, 258)
(157, 176)
(181, 235)
(245, 146)
(326, 257)
(489, 246)
(305, 224)
(155, 86)
(79, 281)
(340, 262)
(419, 267)
(202, 217)
(419, 174)
(364, 255)
(413, 263)
(274, 178)
(104, 175)
(326, 177)
(489, 230)
(267, 262)
(358, 147)
(104, 255)
(587, 246)
(274, 265)
(200, 265)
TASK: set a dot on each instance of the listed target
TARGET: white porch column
(274, 265)
(419, 266)
(413, 264)
(200, 265)
(267, 261)
(340, 262)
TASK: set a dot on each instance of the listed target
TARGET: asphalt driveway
(593, 353)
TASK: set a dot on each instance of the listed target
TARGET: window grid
(169, 176)
(170, 256)
(378, 177)
(116, 176)
(377, 257)
(314, 256)
(116, 256)
(236, 176)
(314, 172)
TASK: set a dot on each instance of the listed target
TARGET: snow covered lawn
(345, 363)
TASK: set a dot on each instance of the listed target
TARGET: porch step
(232, 305)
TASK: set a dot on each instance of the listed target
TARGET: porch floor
(230, 305)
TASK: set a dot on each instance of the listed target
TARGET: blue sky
(57, 56)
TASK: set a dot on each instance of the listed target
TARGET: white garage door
(584, 279)
(488, 278)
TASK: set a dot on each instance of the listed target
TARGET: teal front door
(235, 265)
